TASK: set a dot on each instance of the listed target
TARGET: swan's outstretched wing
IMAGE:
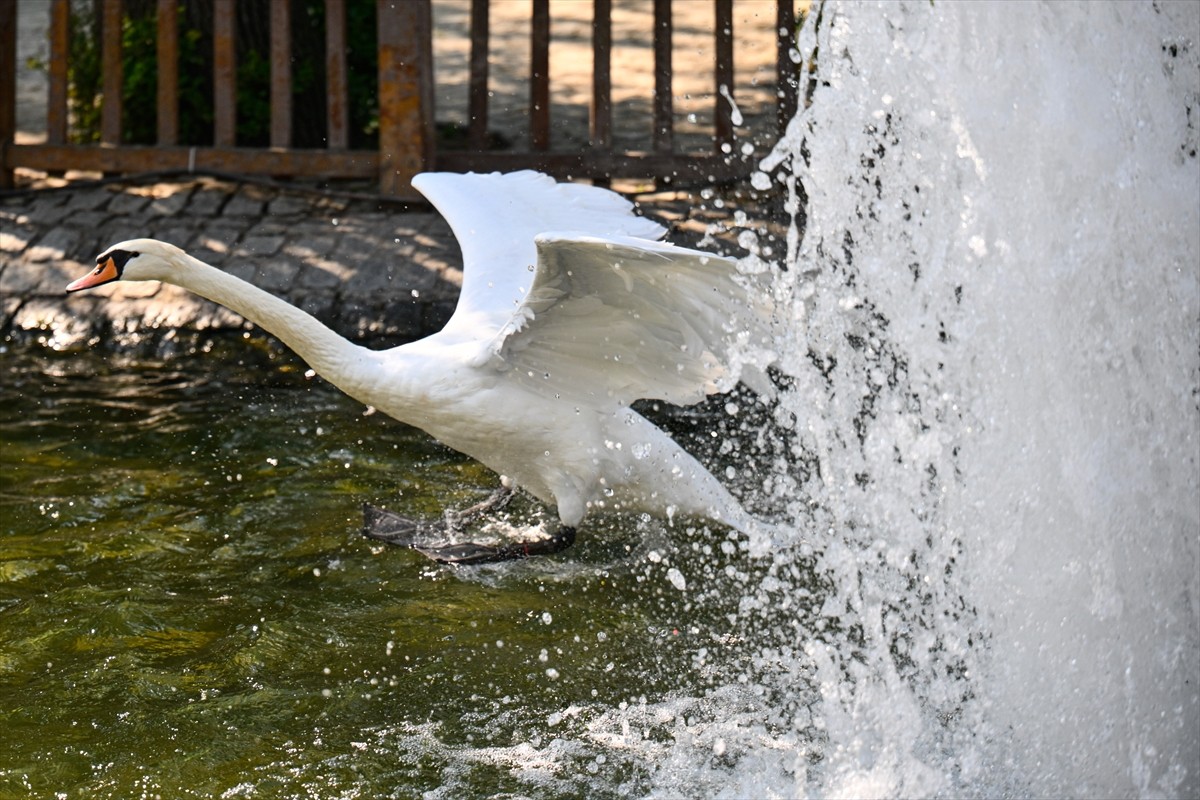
(617, 319)
(496, 218)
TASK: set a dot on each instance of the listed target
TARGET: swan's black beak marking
(109, 267)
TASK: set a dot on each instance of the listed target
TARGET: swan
(570, 310)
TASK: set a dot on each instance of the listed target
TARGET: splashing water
(992, 436)
(986, 455)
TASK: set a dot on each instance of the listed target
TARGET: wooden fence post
(664, 122)
(477, 114)
(539, 76)
(336, 101)
(724, 90)
(281, 76)
(56, 97)
(112, 73)
(8, 87)
(224, 73)
(167, 50)
(601, 117)
(787, 72)
(405, 92)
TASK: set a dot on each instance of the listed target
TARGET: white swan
(570, 310)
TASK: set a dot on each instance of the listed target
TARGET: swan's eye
(118, 258)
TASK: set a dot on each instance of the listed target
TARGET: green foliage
(140, 79)
(139, 90)
(83, 75)
(308, 73)
(195, 87)
(362, 68)
(254, 99)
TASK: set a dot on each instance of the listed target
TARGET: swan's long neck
(334, 358)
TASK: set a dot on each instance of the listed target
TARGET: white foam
(995, 341)
(1002, 255)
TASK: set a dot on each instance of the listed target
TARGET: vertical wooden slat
(664, 125)
(168, 72)
(600, 119)
(539, 77)
(405, 92)
(224, 73)
(723, 116)
(8, 87)
(406, 124)
(56, 99)
(787, 72)
(281, 75)
(335, 75)
(112, 73)
(477, 110)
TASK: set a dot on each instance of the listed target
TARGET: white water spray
(990, 438)
(993, 438)
(999, 372)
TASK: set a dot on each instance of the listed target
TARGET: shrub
(140, 73)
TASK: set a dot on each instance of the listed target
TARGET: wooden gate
(406, 88)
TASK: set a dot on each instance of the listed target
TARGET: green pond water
(188, 609)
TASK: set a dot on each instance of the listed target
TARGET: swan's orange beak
(105, 272)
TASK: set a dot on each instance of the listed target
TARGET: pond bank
(361, 267)
(369, 268)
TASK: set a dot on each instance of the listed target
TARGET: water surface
(187, 607)
(986, 444)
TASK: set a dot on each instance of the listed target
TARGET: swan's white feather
(613, 319)
(496, 217)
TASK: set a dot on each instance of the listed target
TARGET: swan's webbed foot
(494, 502)
(423, 536)
(474, 553)
(391, 528)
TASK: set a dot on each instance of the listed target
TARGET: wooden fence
(406, 90)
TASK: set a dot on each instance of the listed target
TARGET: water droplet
(677, 580)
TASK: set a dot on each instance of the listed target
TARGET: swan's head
(134, 260)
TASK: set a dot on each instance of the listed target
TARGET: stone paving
(364, 269)
(371, 270)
